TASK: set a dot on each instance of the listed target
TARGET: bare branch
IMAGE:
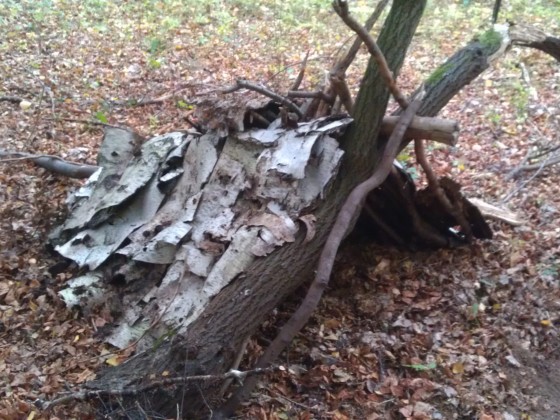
(341, 88)
(341, 8)
(84, 395)
(427, 128)
(529, 36)
(316, 94)
(88, 122)
(13, 99)
(538, 167)
(244, 84)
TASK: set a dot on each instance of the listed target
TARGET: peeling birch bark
(202, 206)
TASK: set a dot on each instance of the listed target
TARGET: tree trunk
(211, 343)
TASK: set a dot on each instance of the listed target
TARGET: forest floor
(470, 333)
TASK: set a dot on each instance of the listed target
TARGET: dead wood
(266, 280)
(340, 87)
(244, 84)
(316, 94)
(525, 35)
(85, 395)
(497, 213)
(52, 163)
(427, 128)
(212, 341)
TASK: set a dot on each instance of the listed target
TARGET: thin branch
(235, 365)
(84, 395)
(341, 8)
(31, 136)
(343, 223)
(539, 167)
(244, 84)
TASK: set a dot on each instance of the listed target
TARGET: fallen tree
(191, 239)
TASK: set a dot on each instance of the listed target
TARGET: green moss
(490, 39)
(438, 73)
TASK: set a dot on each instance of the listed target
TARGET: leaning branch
(299, 78)
(344, 220)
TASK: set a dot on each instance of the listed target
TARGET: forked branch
(341, 8)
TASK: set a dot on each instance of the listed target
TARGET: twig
(155, 101)
(31, 136)
(539, 168)
(240, 84)
(84, 395)
(341, 9)
(343, 222)
(544, 152)
(53, 163)
(338, 72)
(235, 364)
